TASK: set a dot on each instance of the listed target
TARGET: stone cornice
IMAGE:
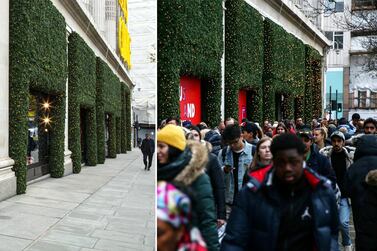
(76, 11)
(303, 21)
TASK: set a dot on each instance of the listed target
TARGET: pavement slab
(105, 207)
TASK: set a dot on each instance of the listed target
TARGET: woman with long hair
(280, 129)
(320, 136)
(262, 157)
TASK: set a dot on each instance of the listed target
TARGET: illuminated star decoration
(46, 105)
(46, 120)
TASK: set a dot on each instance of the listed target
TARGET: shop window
(362, 97)
(39, 125)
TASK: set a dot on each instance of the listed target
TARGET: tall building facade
(66, 99)
(349, 86)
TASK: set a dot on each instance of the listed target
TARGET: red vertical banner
(190, 99)
(242, 113)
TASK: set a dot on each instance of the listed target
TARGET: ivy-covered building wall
(190, 43)
(109, 109)
(81, 95)
(277, 69)
(40, 62)
(37, 62)
(243, 58)
(284, 70)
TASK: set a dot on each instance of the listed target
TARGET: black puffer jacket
(360, 192)
(321, 165)
(213, 169)
(255, 219)
(367, 234)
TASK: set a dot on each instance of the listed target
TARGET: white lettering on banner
(182, 93)
(189, 110)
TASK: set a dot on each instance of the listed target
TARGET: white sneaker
(348, 248)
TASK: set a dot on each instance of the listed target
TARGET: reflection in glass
(38, 129)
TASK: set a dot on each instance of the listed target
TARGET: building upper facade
(286, 14)
(103, 25)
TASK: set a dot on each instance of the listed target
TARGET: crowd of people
(284, 185)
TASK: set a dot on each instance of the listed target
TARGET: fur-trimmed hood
(371, 178)
(197, 164)
(349, 151)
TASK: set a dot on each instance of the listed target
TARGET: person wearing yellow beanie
(184, 162)
(173, 136)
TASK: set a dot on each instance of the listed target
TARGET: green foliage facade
(243, 57)
(313, 102)
(109, 102)
(190, 43)
(81, 95)
(284, 70)
(37, 62)
(260, 57)
(128, 120)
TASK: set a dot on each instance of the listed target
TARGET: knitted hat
(173, 206)
(173, 136)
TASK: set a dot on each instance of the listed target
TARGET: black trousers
(149, 156)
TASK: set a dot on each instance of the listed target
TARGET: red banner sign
(242, 113)
(190, 100)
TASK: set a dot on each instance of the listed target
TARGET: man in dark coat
(314, 159)
(147, 148)
(361, 187)
(284, 206)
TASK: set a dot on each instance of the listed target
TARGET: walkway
(106, 207)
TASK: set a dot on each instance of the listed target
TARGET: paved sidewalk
(106, 207)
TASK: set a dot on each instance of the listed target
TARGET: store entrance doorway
(39, 125)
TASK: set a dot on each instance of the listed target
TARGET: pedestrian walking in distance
(147, 148)
(284, 206)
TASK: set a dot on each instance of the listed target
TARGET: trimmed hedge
(189, 43)
(123, 125)
(37, 62)
(284, 69)
(128, 120)
(313, 65)
(82, 82)
(109, 101)
(243, 57)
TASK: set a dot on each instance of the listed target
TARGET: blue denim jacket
(243, 163)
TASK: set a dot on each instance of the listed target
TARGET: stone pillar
(7, 176)
(68, 166)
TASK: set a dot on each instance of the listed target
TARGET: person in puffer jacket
(184, 162)
(284, 206)
(360, 185)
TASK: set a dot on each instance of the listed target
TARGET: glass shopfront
(39, 122)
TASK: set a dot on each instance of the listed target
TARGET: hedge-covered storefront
(37, 62)
(260, 58)
(81, 95)
(109, 103)
(190, 43)
(243, 57)
(38, 71)
(284, 70)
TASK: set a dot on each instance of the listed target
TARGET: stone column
(67, 153)
(7, 177)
